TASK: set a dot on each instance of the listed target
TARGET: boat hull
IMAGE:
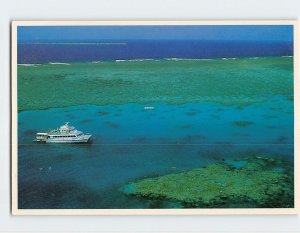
(86, 139)
(67, 141)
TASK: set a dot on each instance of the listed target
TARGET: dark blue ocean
(149, 49)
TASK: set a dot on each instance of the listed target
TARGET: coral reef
(240, 82)
(251, 182)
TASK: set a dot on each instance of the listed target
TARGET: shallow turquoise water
(131, 143)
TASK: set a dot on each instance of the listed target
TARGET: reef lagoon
(208, 114)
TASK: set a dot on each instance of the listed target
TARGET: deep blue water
(150, 49)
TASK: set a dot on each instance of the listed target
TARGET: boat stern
(41, 137)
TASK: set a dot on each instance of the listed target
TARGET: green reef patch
(256, 182)
(240, 82)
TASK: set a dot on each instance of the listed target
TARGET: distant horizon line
(123, 41)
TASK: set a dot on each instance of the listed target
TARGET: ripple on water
(102, 113)
(281, 140)
(219, 109)
(193, 139)
(29, 132)
(242, 123)
(71, 116)
(270, 117)
(85, 121)
(191, 113)
(139, 139)
(186, 126)
(65, 157)
(214, 116)
(238, 134)
(224, 143)
(169, 110)
(271, 126)
(111, 125)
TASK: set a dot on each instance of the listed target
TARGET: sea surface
(148, 49)
(204, 111)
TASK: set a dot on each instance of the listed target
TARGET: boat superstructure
(63, 134)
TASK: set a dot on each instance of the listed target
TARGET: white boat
(148, 108)
(63, 134)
